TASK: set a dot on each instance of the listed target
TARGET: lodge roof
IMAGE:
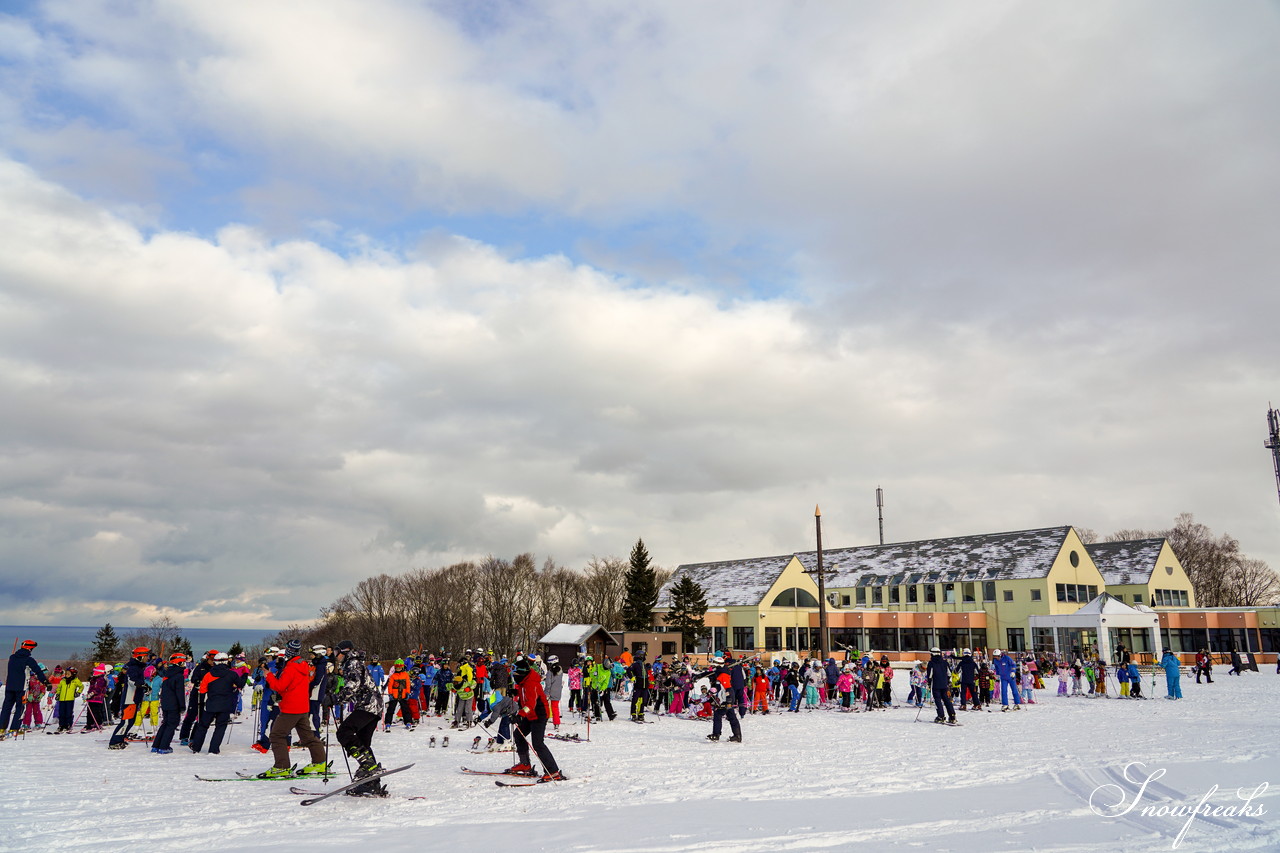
(1130, 562)
(990, 556)
(731, 583)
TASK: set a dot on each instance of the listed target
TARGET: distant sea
(58, 642)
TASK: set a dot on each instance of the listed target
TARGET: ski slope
(810, 781)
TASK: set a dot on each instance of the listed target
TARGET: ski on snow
(355, 784)
(471, 772)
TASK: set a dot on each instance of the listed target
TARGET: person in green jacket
(598, 677)
(68, 689)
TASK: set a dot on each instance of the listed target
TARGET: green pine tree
(641, 591)
(106, 645)
(688, 606)
(181, 644)
(235, 649)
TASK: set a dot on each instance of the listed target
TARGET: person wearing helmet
(219, 688)
(11, 711)
(195, 697)
(1006, 669)
(969, 682)
(531, 722)
(319, 682)
(355, 732)
(173, 702)
(599, 677)
(69, 689)
(136, 690)
(31, 714)
(723, 699)
(96, 699)
(398, 685)
(939, 676)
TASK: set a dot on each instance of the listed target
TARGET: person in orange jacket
(398, 689)
(294, 687)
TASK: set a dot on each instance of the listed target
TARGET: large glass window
(949, 593)
(1170, 598)
(860, 596)
(744, 638)
(1076, 592)
(931, 593)
(916, 640)
(966, 592)
(846, 638)
(883, 639)
(988, 590)
(913, 594)
(895, 595)
(793, 641)
(772, 639)
(952, 638)
(1017, 640)
(1042, 639)
(877, 595)
(718, 639)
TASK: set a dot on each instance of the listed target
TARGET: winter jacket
(938, 673)
(598, 677)
(555, 683)
(220, 686)
(294, 686)
(532, 698)
(1171, 665)
(1004, 666)
(398, 684)
(69, 688)
(173, 696)
(375, 671)
(358, 685)
(153, 688)
(832, 671)
(968, 670)
(499, 676)
(319, 676)
(21, 661)
(575, 678)
(35, 690)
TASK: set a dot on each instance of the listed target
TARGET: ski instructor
(14, 686)
(939, 675)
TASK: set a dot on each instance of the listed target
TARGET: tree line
(1221, 574)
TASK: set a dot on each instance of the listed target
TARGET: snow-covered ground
(810, 781)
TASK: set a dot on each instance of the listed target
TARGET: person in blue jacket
(1172, 674)
(15, 685)
(1006, 669)
(173, 702)
(379, 675)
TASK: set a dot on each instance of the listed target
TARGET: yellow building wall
(764, 616)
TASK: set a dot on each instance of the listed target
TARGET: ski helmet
(29, 644)
(141, 651)
(319, 649)
(399, 662)
(221, 657)
(177, 657)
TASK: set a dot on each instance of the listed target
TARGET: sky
(295, 295)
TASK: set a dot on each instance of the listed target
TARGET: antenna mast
(880, 510)
(1273, 440)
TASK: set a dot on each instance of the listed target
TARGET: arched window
(794, 597)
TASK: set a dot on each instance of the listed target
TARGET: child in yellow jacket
(69, 689)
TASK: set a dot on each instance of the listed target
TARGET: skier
(969, 681)
(219, 688)
(398, 696)
(531, 723)
(723, 699)
(135, 681)
(355, 733)
(597, 679)
(192, 705)
(554, 687)
(1204, 666)
(173, 702)
(938, 674)
(16, 680)
(293, 685)
(640, 691)
(319, 681)
(1006, 670)
(1172, 673)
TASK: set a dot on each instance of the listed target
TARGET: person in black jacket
(319, 683)
(640, 687)
(969, 681)
(135, 689)
(15, 685)
(173, 701)
(939, 675)
(723, 698)
(219, 687)
(194, 698)
(355, 733)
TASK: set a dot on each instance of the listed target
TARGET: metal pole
(880, 511)
(822, 589)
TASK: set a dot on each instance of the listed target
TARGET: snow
(809, 781)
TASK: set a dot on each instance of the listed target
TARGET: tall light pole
(880, 511)
(822, 587)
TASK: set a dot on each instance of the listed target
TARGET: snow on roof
(566, 634)
(732, 583)
(1107, 604)
(1130, 562)
(991, 556)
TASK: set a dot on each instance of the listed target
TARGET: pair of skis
(242, 776)
(314, 797)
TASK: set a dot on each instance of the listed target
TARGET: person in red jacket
(531, 722)
(294, 686)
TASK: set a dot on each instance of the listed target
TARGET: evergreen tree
(688, 606)
(235, 649)
(180, 644)
(641, 591)
(106, 645)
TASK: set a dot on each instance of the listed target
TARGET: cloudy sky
(295, 294)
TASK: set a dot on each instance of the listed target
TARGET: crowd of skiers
(294, 695)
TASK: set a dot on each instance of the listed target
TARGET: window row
(947, 593)
(1076, 592)
(1170, 598)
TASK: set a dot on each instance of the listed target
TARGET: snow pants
(11, 711)
(638, 700)
(355, 734)
(168, 726)
(195, 702)
(219, 720)
(531, 732)
(717, 722)
(32, 715)
(1008, 685)
(942, 701)
(280, 729)
(1174, 686)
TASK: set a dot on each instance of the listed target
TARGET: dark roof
(731, 583)
(989, 556)
(1130, 562)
